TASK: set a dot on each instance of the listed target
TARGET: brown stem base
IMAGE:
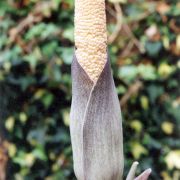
(3, 159)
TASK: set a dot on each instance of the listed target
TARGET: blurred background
(36, 49)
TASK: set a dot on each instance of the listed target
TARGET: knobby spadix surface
(91, 36)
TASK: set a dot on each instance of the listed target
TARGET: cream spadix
(91, 36)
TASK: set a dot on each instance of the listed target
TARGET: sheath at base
(96, 126)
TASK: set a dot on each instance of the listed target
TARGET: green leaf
(153, 48)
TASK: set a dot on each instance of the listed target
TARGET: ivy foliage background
(36, 48)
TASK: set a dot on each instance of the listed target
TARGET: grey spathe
(96, 126)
